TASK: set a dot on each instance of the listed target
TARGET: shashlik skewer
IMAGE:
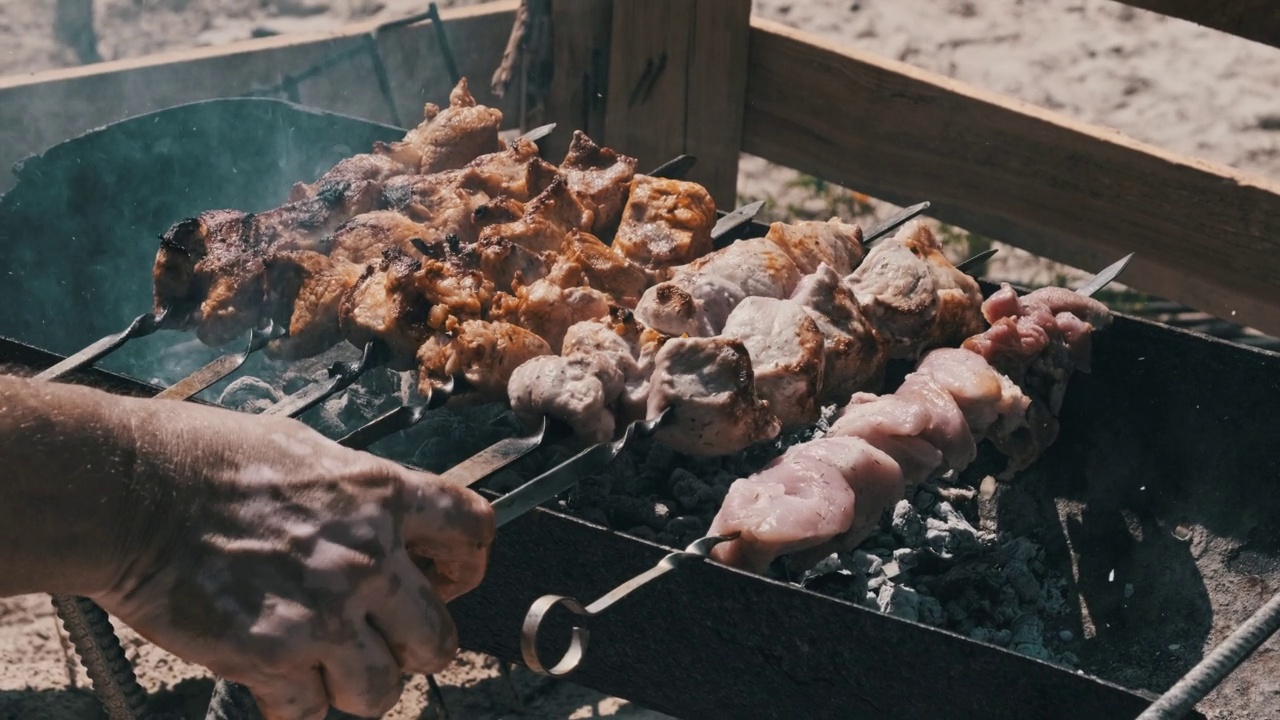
(707, 547)
(348, 185)
(508, 451)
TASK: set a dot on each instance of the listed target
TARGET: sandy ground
(1163, 81)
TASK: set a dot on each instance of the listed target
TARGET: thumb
(452, 527)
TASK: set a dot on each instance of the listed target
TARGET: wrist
(67, 455)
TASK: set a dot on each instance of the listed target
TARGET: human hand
(313, 574)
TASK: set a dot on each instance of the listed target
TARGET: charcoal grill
(1170, 432)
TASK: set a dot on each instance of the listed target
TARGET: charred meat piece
(665, 223)
(585, 260)
(914, 296)
(786, 349)
(508, 265)
(810, 244)
(366, 168)
(363, 239)
(698, 298)
(385, 304)
(541, 224)
(549, 310)
(516, 172)
(854, 356)
(484, 353)
(825, 494)
(450, 138)
(304, 294)
(441, 203)
(601, 178)
(709, 387)
(208, 272)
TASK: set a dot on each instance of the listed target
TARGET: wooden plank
(717, 83)
(580, 55)
(1257, 20)
(648, 83)
(41, 109)
(1206, 235)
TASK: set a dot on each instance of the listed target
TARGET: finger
(451, 578)
(361, 675)
(451, 525)
(413, 621)
(295, 697)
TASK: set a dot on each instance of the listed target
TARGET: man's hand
(313, 574)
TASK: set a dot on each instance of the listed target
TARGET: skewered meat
(810, 244)
(208, 277)
(304, 294)
(508, 265)
(926, 427)
(665, 223)
(854, 355)
(366, 168)
(786, 350)
(539, 225)
(709, 387)
(914, 296)
(823, 493)
(363, 239)
(601, 178)
(596, 380)
(585, 260)
(920, 426)
(517, 172)
(483, 353)
(548, 310)
(448, 138)
(386, 305)
(699, 297)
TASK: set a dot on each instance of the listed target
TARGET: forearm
(66, 459)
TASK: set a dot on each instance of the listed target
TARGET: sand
(1164, 81)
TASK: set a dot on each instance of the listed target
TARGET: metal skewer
(698, 550)
(220, 367)
(142, 326)
(341, 376)
(675, 168)
(895, 221)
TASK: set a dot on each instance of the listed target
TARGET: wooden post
(580, 57)
(677, 81)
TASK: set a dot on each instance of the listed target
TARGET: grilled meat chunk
(914, 296)
(209, 275)
(698, 298)
(363, 239)
(665, 223)
(539, 225)
(709, 387)
(585, 260)
(386, 305)
(450, 138)
(366, 169)
(516, 172)
(786, 349)
(601, 178)
(483, 353)
(854, 356)
(810, 244)
(304, 295)
(549, 310)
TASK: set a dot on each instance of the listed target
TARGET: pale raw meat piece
(992, 404)
(920, 426)
(854, 356)
(709, 387)
(810, 244)
(824, 491)
(786, 351)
